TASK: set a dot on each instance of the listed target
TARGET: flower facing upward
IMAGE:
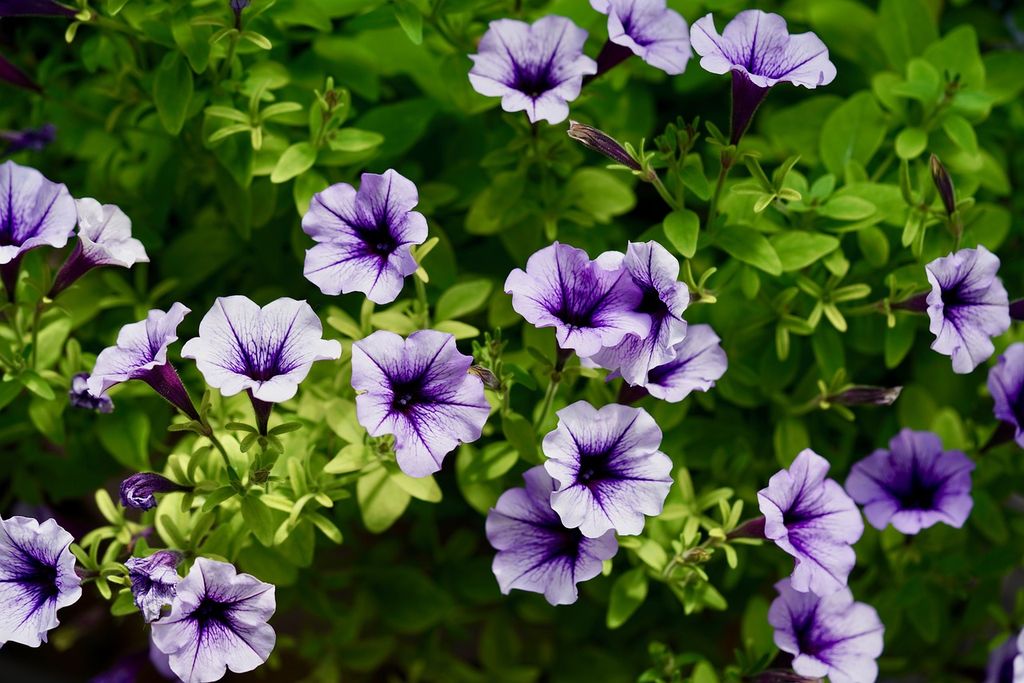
(828, 636)
(536, 552)
(812, 519)
(218, 621)
(607, 467)
(1006, 384)
(915, 484)
(420, 390)
(364, 238)
(651, 31)
(37, 578)
(967, 305)
(698, 363)
(589, 307)
(154, 582)
(537, 68)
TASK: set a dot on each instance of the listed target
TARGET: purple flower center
(595, 467)
(652, 304)
(406, 394)
(39, 579)
(533, 80)
(377, 237)
(918, 493)
(809, 642)
(211, 611)
(951, 297)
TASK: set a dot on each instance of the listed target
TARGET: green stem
(232, 474)
(653, 178)
(35, 333)
(421, 299)
(722, 175)
(554, 381)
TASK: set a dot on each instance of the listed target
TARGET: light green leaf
(682, 229)
(463, 299)
(381, 500)
(628, 592)
(297, 159)
(797, 249)
(172, 92)
(749, 246)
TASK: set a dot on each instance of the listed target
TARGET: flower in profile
(536, 552)
(1006, 662)
(364, 239)
(37, 578)
(607, 468)
(759, 51)
(812, 519)
(537, 68)
(79, 396)
(420, 390)
(967, 305)
(915, 484)
(139, 490)
(104, 239)
(698, 363)
(32, 139)
(827, 635)
(648, 29)
(154, 582)
(1006, 384)
(589, 307)
(655, 272)
(141, 353)
(218, 621)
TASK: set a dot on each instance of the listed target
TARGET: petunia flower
(828, 636)
(811, 518)
(218, 621)
(1006, 384)
(79, 396)
(364, 239)
(914, 485)
(37, 578)
(537, 68)
(760, 52)
(154, 582)
(36, 213)
(607, 467)
(648, 29)
(698, 363)
(139, 490)
(656, 273)
(141, 353)
(420, 390)
(589, 307)
(104, 239)
(1006, 662)
(536, 552)
(967, 305)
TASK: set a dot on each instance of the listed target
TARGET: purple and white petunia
(827, 635)
(537, 68)
(364, 238)
(420, 390)
(79, 396)
(812, 519)
(656, 273)
(1006, 384)
(1006, 662)
(154, 583)
(590, 307)
(218, 621)
(607, 467)
(760, 52)
(37, 578)
(648, 29)
(536, 552)
(139, 490)
(141, 353)
(698, 363)
(914, 484)
(104, 239)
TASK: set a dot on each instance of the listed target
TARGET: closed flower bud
(601, 143)
(867, 395)
(489, 379)
(944, 184)
(138, 491)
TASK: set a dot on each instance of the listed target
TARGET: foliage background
(130, 96)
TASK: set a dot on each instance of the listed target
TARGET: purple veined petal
(154, 582)
(699, 362)
(608, 468)
(36, 212)
(1006, 384)
(420, 390)
(140, 347)
(537, 68)
(37, 578)
(814, 520)
(364, 238)
(1006, 663)
(80, 397)
(913, 485)
(656, 34)
(139, 490)
(536, 552)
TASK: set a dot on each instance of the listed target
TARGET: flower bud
(489, 379)
(867, 395)
(602, 143)
(944, 184)
(138, 491)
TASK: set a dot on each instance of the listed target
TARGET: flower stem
(722, 175)
(653, 178)
(421, 298)
(36, 316)
(561, 358)
(232, 474)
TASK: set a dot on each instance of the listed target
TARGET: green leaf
(125, 435)
(410, 19)
(789, 439)
(600, 193)
(961, 132)
(457, 329)
(682, 229)
(34, 382)
(259, 519)
(381, 500)
(354, 140)
(874, 245)
(421, 488)
(905, 28)
(899, 339)
(797, 249)
(350, 458)
(853, 131)
(847, 208)
(911, 142)
(297, 159)
(47, 416)
(463, 299)
(749, 246)
(303, 189)
(628, 592)
(172, 92)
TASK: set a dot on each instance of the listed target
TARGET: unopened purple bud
(944, 184)
(867, 395)
(237, 6)
(139, 490)
(602, 143)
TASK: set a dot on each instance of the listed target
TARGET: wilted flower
(967, 305)
(139, 490)
(535, 67)
(218, 621)
(607, 467)
(602, 143)
(79, 396)
(1006, 662)
(32, 139)
(419, 389)
(154, 582)
(655, 272)
(37, 578)
(104, 239)
(141, 353)
(589, 307)
(1006, 384)
(536, 552)
(759, 51)
(828, 636)
(364, 238)
(812, 519)
(699, 361)
(648, 29)
(915, 484)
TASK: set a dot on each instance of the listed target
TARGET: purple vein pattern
(698, 363)
(154, 582)
(34, 212)
(139, 490)
(1006, 384)
(654, 33)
